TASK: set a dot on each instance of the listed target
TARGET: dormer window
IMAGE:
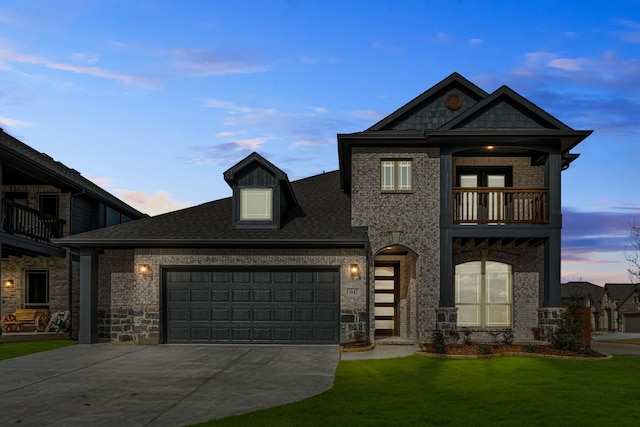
(256, 204)
(262, 194)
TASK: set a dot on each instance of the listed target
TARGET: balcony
(30, 223)
(508, 205)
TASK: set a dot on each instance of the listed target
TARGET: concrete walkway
(167, 385)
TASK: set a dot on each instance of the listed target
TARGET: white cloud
(444, 37)
(8, 122)
(209, 62)
(8, 54)
(566, 64)
(476, 42)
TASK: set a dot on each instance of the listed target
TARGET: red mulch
(472, 350)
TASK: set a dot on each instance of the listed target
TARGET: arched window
(484, 295)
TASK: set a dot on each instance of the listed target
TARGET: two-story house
(620, 308)
(445, 214)
(42, 199)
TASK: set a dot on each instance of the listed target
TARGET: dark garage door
(632, 322)
(245, 306)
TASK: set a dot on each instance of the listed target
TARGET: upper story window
(49, 204)
(636, 299)
(396, 175)
(256, 204)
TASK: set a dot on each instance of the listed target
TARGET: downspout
(368, 291)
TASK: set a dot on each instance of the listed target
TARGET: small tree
(632, 254)
(574, 329)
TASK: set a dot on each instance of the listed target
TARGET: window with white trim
(256, 204)
(395, 175)
(483, 294)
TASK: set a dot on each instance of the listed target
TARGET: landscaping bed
(489, 350)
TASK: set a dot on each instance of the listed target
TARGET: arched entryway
(395, 293)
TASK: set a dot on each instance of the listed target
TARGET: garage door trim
(190, 309)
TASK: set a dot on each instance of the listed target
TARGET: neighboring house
(620, 308)
(614, 307)
(590, 296)
(445, 214)
(43, 200)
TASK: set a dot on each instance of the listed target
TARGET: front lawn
(16, 349)
(511, 391)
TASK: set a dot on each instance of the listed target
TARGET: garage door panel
(241, 295)
(262, 295)
(252, 306)
(262, 314)
(241, 314)
(304, 295)
(178, 334)
(283, 295)
(199, 295)
(175, 314)
(220, 295)
(178, 295)
(200, 333)
(199, 314)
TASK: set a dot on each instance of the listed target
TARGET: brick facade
(129, 302)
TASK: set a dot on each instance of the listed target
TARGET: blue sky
(153, 100)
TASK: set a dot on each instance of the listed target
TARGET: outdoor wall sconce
(354, 269)
(144, 268)
(8, 283)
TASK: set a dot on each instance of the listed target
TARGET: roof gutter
(209, 243)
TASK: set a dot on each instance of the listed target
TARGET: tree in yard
(632, 254)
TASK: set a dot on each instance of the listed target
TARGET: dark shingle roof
(28, 161)
(581, 289)
(619, 291)
(323, 217)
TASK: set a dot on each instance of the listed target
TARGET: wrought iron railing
(508, 205)
(30, 223)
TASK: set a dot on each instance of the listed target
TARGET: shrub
(507, 337)
(537, 333)
(484, 349)
(572, 323)
(530, 348)
(437, 342)
(466, 336)
(454, 335)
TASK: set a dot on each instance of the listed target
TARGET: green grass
(420, 391)
(17, 349)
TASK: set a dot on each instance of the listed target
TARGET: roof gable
(434, 107)
(505, 109)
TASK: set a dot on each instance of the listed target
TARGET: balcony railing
(490, 205)
(30, 223)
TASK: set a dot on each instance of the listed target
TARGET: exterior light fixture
(8, 283)
(354, 270)
(144, 269)
(490, 147)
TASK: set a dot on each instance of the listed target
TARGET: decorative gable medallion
(453, 101)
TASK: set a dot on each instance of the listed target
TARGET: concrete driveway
(167, 385)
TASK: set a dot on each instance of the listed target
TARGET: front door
(386, 299)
